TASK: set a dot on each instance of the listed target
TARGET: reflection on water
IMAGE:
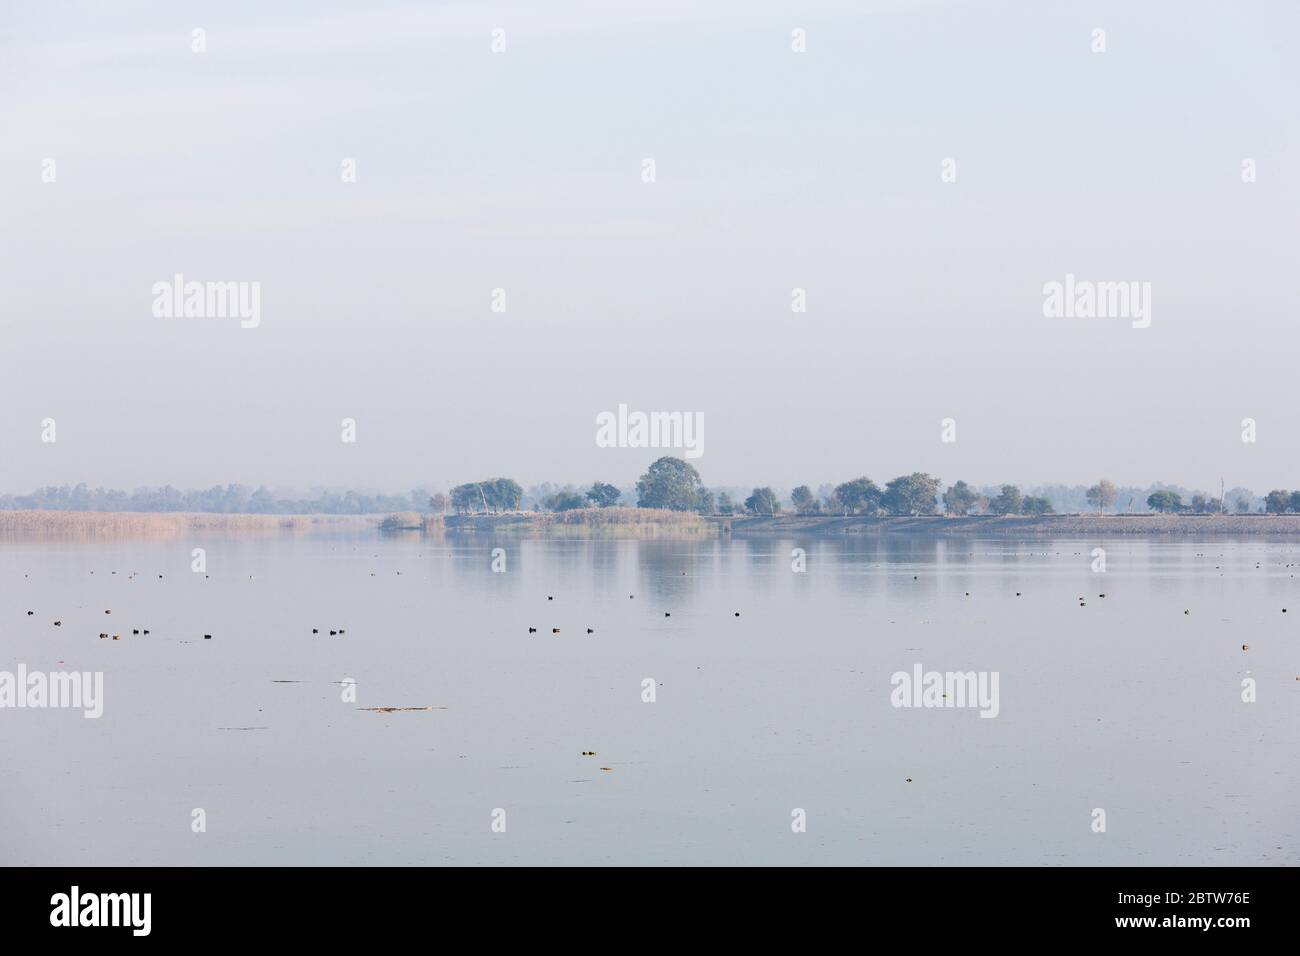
(1130, 702)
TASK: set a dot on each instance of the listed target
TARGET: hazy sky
(522, 170)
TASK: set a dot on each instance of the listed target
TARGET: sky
(523, 170)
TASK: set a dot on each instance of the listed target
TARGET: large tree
(1007, 502)
(1165, 501)
(503, 494)
(602, 495)
(804, 501)
(762, 502)
(494, 494)
(959, 499)
(1035, 506)
(859, 495)
(1102, 495)
(914, 494)
(564, 501)
(669, 483)
(1277, 502)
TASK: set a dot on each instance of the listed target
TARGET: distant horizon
(1064, 497)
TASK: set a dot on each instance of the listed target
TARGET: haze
(522, 171)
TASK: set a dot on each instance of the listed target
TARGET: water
(1126, 704)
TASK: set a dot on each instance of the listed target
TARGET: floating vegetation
(396, 710)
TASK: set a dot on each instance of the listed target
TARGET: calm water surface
(1126, 703)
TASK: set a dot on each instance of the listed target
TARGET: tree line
(670, 483)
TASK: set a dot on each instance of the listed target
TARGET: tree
(725, 505)
(1102, 495)
(602, 495)
(495, 494)
(860, 494)
(762, 502)
(1007, 502)
(669, 483)
(564, 501)
(704, 502)
(438, 502)
(914, 494)
(1165, 501)
(1295, 501)
(1035, 506)
(1199, 504)
(466, 498)
(1277, 502)
(804, 501)
(503, 494)
(959, 499)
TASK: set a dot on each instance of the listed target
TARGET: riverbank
(614, 522)
(1076, 525)
(632, 523)
(109, 525)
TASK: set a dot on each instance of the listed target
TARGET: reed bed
(102, 525)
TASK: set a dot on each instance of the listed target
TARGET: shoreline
(1064, 525)
(635, 523)
(113, 525)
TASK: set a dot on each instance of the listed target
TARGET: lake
(772, 736)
